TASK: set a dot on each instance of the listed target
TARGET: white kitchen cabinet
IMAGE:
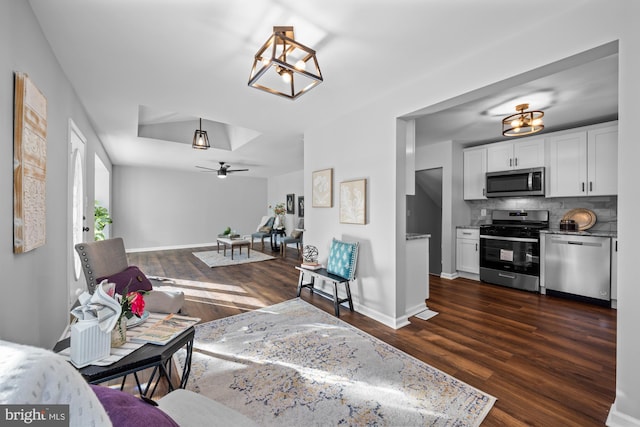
(583, 163)
(468, 250)
(475, 169)
(602, 161)
(522, 154)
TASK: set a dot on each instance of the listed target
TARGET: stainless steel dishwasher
(578, 265)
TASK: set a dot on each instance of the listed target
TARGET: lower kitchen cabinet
(468, 250)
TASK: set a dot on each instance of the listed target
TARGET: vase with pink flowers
(132, 304)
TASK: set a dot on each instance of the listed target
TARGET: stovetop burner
(518, 223)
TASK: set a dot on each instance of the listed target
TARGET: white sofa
(35, 376)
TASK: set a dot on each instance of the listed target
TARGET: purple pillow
(126, 410)
(139, 281)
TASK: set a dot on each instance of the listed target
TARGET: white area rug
(215, 259)
(426, 314)
(292, 364)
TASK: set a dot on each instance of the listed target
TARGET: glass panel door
(77, 212)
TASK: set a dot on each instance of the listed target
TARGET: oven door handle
(510, 239)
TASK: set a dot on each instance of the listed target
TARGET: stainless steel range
(510, 248)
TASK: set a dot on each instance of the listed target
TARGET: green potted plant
(101, 219)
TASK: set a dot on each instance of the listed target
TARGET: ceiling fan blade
(207, 169)
(237, 170)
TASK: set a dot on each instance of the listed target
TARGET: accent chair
(107, 259)
(294, 237)
(263, 231)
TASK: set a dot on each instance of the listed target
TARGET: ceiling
(578, 95)
(147, 70)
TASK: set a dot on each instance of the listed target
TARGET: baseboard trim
(449, 276)
(415, 310)
(618, 419)
(168, 248)
(470, 276)
(396, 323)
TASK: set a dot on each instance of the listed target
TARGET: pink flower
(136, 303)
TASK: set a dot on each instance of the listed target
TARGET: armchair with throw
(107, 259)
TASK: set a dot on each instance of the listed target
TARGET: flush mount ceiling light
(522, 123)
(284, 67)
(200, 139)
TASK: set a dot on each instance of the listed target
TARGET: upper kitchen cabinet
(583, 163)
(475, 169)
(522, 154)
(602, 161)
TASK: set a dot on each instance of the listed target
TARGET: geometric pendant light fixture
(200, 139)
(284, 67)
(522, 123)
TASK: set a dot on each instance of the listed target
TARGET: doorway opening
(424, 213)
(102, 190)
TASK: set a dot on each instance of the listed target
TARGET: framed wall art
(291, 208)
(353, 201)
(301, 207)
(29, 165)
(322, 188)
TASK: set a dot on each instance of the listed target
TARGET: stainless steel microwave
(516, 183)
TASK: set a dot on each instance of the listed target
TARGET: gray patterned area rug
(218, 259)
(292, 364)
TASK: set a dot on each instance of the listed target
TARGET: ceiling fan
(224, 169)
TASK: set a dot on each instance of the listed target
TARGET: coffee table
(233, 243)
(158, 357)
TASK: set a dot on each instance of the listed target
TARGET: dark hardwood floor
(548, 361)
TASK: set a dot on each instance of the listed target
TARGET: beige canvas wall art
(322, 188)
(29, 165)
(353, 201)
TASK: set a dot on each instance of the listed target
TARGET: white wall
(628, 349)
(33, 307)
(367, 143)
(360, 146)
(157, 208)
(278, 188)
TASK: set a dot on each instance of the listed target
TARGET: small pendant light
(200, 139)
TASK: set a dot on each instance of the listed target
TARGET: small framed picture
(301, 207)
(353, 201)
(322, 188)
(291, 203)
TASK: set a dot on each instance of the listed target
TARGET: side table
(158, 357)
(275, 243)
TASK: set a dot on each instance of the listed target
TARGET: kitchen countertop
(468, 226)
(416, 236)
(595, 233)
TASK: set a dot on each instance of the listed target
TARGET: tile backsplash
(605, 208)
